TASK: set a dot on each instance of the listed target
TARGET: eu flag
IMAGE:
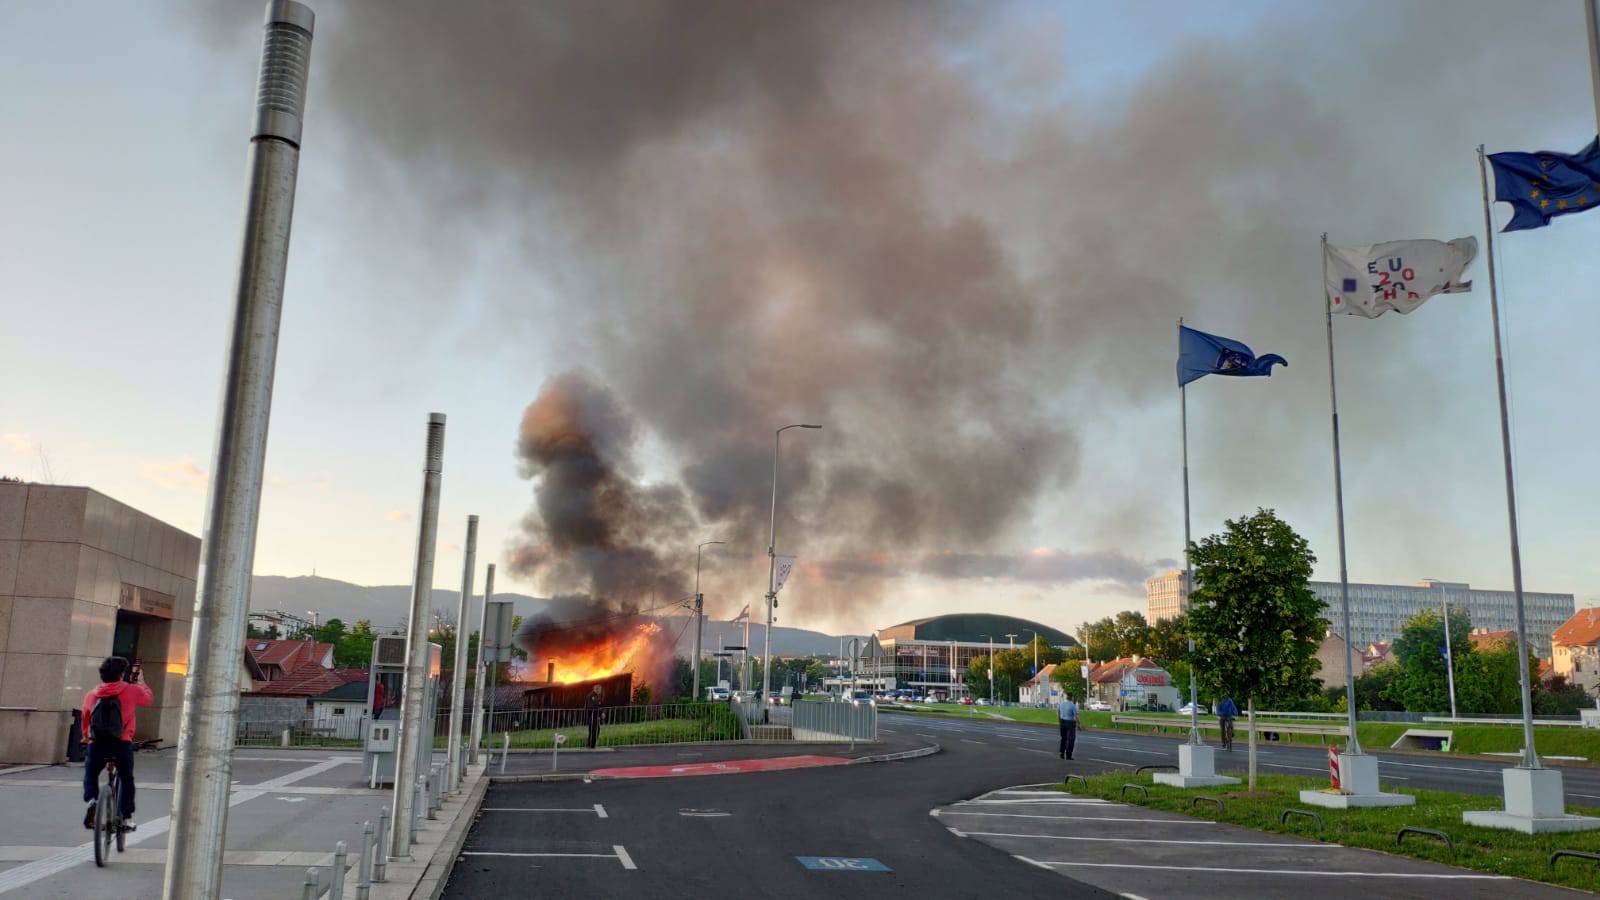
(1545, 184)
(1201, 354)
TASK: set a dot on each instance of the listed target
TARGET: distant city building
(1379, 611)
(932, 655)
(1330, 653)
(83, 577)
(1576, 654)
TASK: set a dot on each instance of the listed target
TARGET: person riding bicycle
(108, 730)
(1227, 711)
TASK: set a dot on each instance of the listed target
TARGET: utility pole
(412, 737)
(772, 568)
(458, 670)
(206, 730)
(700, 615)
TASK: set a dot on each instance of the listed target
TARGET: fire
(612, 656)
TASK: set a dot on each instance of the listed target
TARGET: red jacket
(129, 694)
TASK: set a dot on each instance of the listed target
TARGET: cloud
(397, 515)
(1044, 566)
(21, 444)
(180, 474)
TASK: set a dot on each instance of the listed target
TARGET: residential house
(278, 659)
(1041, 690)
(1330, 653)
(1576, 649)
(1133, 683)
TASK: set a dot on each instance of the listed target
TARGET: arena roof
(974, 627)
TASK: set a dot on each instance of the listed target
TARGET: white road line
(1114, 840)
(600, 811)
(595, 810)
(27, 874)
(1131, 897)
(1450, 876)
(1112, 762)
(953, 812)
(622, 854)
(612, 855)
(1034, 750)
(983, 743)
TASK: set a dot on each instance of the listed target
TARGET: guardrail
(1538, 723)
(1329, 730)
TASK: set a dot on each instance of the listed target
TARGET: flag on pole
(743, 614)
(1201, 354)
(1371, 279)
(1542, 185)
(784, 565)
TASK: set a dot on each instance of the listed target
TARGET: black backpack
(105, 720)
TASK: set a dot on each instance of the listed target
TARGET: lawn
(717, 725)
(1481, 849)
(1468, 739)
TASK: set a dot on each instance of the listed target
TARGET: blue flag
(1201, 354)
(1542, 185)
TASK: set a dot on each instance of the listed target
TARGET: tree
(354, 648)
(1133, 633)
(1421, 684)
(1559, 697)
(1256, 622)
(1100, 638)
(1169, 642)
(1373, 687)
(977, 676)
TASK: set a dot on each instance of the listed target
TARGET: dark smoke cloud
(899, 220)
(1045, 566)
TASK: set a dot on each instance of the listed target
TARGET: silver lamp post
(700, 615)
(772, 567)
(458, 676)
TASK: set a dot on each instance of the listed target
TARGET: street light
(772, 566)
(700, 615)
(991, 665)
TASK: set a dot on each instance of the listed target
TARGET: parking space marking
(618, 853)
(981, 743)
(1113, 840)
(1447, 876)
(598, 810)
(955, 812)
(623, 857)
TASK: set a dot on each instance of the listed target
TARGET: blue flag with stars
(1201, 354)
(1543, 185)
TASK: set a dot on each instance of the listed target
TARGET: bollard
(380, 852)
(312, 886)
(341, 859)
(418, 791)
(435, 776)
(364, 867)
(284, 741)
(373, 782)
(505, 750)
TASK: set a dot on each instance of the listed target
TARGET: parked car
(966, 701)
(717, 693)
(1188, 709)
(1099, 706)
(983, 701)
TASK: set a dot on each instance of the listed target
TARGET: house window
(338, 710)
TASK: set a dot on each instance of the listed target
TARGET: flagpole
(1188, 564)
(1530, 759)
(1591, 15)
(1353, 746)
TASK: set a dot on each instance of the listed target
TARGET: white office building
(1379, 611)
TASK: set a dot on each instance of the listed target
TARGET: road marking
(1034, 750)
(618, 853)
(26, 874)
(600, 812)
(953, 812)
(1132, 897)
(842, 864)
(1109, 761)
(982, 743)
(1449, 876)
(925, 734)
(622, 855)
(1113, 840)
(597, 810)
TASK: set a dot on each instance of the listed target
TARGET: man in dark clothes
(591, 712)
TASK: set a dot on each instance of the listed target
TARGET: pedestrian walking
(1227, 711)
(591, 712)
(1067, 712)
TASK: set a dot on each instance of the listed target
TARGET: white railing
(815, 720)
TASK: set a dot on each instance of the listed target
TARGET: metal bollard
(433, 792)
(364, 867)
(313, 885)
(341, 859)
(505, 750)
(417, 793)
(380, 851)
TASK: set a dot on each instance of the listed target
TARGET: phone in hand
(133, 672)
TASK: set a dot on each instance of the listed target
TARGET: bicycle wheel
(116, 809)
(102, 833)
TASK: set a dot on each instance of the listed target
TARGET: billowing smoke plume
(907, 222)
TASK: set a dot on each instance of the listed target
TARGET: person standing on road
(1227, 711)
(591, 712)
(1067, 712)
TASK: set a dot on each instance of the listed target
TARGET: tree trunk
(1250, 712)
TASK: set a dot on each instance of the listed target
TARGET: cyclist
(108, 730)
(1227, 711)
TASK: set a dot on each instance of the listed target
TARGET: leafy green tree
(1489, 681)
(1100, 638)
(1422, 684)
(1374, 685)
(1559, 697)
(1256, 622)
(354, 648)
(1133, 633)
(1169, 642)
(977, 677)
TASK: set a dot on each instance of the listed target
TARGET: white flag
(1371, 279)
(743, 614)
(785, 565)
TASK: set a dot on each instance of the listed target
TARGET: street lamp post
(700, 615)
(772, 566)
(991, 666)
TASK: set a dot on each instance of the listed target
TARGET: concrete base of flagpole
(1358, 782)
(1197, 767)
(1534, 805)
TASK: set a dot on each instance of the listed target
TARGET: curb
(433, 875)
(929, 750)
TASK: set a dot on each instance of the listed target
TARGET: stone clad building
(83, 577)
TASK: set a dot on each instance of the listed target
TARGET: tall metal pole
(1530, 759)
(700, 615)
(772, 566)
(1591, 15)
(991, 666)
(233, 505)
(1353, 745)
(477, 688)
(1449, 659)
(1188, 564)
(458, 672)
(413, 733)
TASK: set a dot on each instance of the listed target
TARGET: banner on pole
(1372, 279)
(782, 567)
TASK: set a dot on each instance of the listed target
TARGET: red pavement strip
(723, 768)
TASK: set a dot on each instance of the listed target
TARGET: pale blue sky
(122, 177)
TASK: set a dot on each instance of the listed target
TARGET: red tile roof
(1044, 675)
(1113, 671)
(1582, 630)
(307, 681)
(286, 654)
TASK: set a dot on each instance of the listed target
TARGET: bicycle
(108, 816)
(1227, 734)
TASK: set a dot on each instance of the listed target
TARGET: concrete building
(83, 577)
(1379, 611)
(1576, 650)
(932, 655)
(1330, 653)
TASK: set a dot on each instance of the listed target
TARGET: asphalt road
(746, 834)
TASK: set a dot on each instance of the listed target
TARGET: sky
(956, 235)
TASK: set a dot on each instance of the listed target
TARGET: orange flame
(610, 657)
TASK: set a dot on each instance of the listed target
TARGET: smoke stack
(550, 673)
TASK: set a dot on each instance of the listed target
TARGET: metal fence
(618, 726)
(814, 720)
(306, 731)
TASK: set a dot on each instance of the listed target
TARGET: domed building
(929, 655)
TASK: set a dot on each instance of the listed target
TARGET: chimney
(550, 673)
